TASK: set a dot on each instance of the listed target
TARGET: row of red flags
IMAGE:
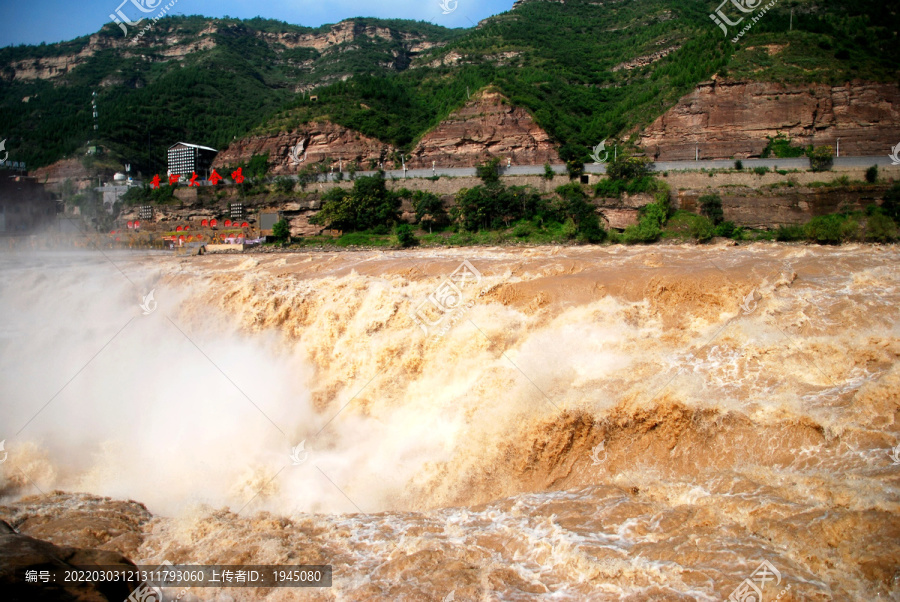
(215, 178)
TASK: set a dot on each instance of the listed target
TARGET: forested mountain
(586, 70)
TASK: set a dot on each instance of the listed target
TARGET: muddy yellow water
(557, 423)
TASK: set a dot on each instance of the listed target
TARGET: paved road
(660, 166)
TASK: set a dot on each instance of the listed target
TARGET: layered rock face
(343, 32)
(314, 143)
(733, 119)
(487, 126)
(767, 208)
(177, 45)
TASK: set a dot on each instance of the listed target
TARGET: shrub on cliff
(780, 146)
(610, 188)
(891, 204)
(872, 174)
(711, 207)
(831, 229)
(881, 228)
(702, 229)
(729, 230)
(405, 236)
(649, 226)
(821, 158)
(284, 184)
(628, 168)
(790, 233)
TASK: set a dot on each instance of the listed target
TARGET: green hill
(586, 70)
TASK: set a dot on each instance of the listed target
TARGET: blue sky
(36, 21)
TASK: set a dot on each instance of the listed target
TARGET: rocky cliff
(487, 126)
(162, 45)
(732, 119)
(311, 144)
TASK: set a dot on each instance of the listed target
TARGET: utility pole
(697, 153)
(792, 19)
(839, 148)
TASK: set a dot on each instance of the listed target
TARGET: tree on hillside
(489, 171)
(574, 205)
(281, 231)
(626, 168)
(429, 209)
(573, 155)
(495, 206)
(369, 205)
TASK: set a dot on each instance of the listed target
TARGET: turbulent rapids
(605, 423)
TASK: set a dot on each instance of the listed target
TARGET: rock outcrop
(81, 525)
(733, 119)
(56, 174)
(487, 126)
(314, 142)
(80, 520)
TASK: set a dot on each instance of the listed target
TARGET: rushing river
(611, 423)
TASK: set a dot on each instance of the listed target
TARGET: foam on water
(603, 423)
